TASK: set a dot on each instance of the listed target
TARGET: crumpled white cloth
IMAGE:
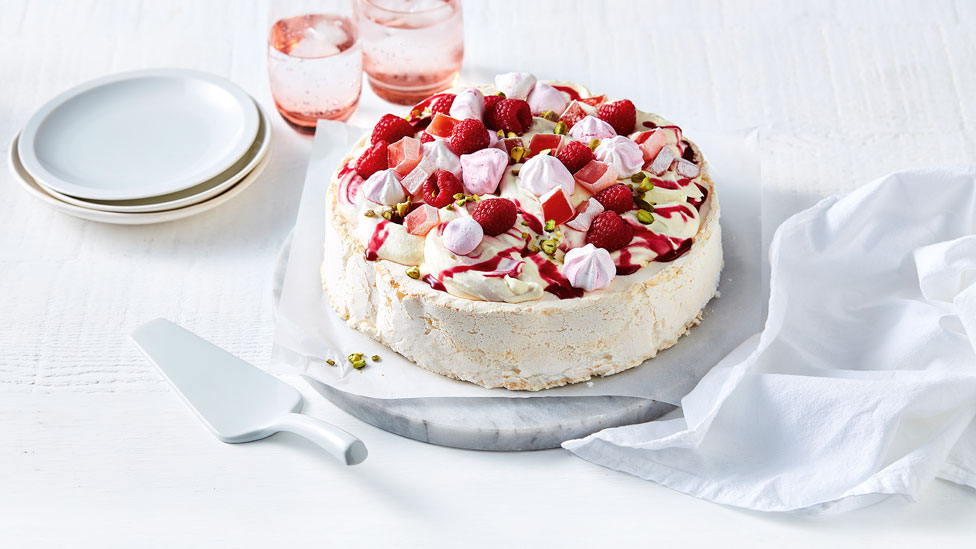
(862, 384)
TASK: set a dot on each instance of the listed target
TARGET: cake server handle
(344, 446)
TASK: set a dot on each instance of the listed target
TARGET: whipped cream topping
(544, 172)
(470, 103)
(591, 127)
(623, 154)
(589, 268)
(527, 262)
(515, 85)
(383, 187)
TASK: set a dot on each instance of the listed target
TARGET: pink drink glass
(315, 64)
(411, 48)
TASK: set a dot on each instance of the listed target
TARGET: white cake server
(238, 401)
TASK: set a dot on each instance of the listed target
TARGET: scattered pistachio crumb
(413, 272)
(458, 196)
(594, 143)
(387, 214)
(549, 246)
(357, 361)
(646, 184)
(550, 116)
(375, 358)
(402, 208)
(501, 134)
(515, 171)
(545, 151)
(645, 217)
(511, 135)
(637, 177)
(460, 202)
(518, 153)
(369, 213)
(532, 247)
(550, 225)
(449, 207)
(330, 362)
(500, 93)
(560, 128)
(525, 223)
(525, 236)
(643, 205)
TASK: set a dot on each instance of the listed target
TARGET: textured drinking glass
(315, 62)
(411, 48)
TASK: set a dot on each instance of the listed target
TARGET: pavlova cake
(524, 235)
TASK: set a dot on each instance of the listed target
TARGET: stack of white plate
(143, 147)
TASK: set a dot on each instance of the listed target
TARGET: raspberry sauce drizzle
(489, 267)
(376, 241)
(573, 96)
(666, 248)
(557, 284)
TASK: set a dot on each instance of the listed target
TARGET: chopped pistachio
(449, 207)
(643, 204)
(525, 223)
(511, 135)
(550, 225)
(560, 128)
(359, 364)
(387, 214)
(515, 171)
(637, 177)
(550, 116)
(518, 153)
(356, 359)
(549, 246)
(594, 143)
(545, 151)
(532, 247)
(501, 93)
(402, 208)
(645, 217)
(460, 202)
(375, 358)
(413, 272)
(646, 184)
(369, 213)
(330, 362)
(476, 198)
(458, 196)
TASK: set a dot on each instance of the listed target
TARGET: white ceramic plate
(119, 218)
(138, 134)
(188, 197)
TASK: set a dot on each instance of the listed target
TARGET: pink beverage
(411, 48)
(315, 66)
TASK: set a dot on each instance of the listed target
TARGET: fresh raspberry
(610, 231)
(468, 136)
(373, 160)
(496, 215)
(426, 138)
(440, 188)
(441, 103)
(617, 198)
(491, 101)
(391, 129)
(622, 115)
(511, 115)
(575, 155)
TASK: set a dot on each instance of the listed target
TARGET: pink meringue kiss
(462, 235)
(542, 173)
(623, 154)
(586, 212)
(483, 170)
(591, 127)
(515, 85)
(443, 157)
(589, 268)
(544, 97)
(470, 103)
(383, 187)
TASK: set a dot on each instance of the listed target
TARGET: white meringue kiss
(515, 85)
(383, 187)
(442, 157)
(591, 127)
(585, 217)
(589, 268)
(483, 170)
(544, 97)
(462, 235)
(623, 154)
(543, 173)
(470, 103)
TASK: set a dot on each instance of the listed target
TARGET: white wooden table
(96, 450)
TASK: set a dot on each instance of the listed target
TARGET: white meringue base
(523, 346)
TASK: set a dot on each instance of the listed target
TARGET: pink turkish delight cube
(596, 176)
(421, 220)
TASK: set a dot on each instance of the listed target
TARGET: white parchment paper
(308, 331)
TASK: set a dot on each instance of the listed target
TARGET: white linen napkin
(862, 384)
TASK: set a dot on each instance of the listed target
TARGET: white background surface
(96, 450)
